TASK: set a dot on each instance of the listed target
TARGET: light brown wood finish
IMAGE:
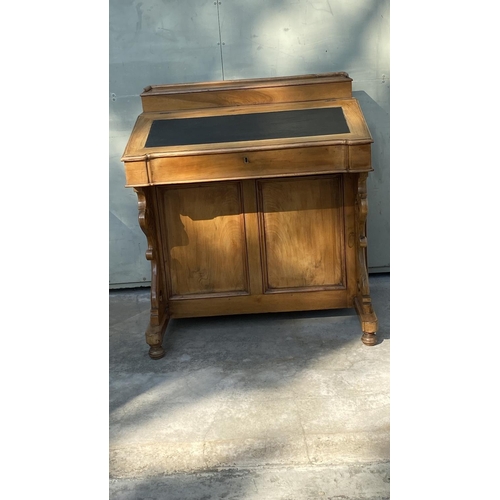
(159, 313)
(250, 164)
(242, 92)
(302, 233)
(255, 271)
(253, 226)
(252, 304)
(363, 301)
(205, 238)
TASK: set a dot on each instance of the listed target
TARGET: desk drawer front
(249, 165)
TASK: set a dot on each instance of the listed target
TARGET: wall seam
(220, 39)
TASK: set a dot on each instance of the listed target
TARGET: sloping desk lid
(247, 128)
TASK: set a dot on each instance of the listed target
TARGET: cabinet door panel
(205, 239)
(302, 233)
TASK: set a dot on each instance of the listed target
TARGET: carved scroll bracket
(363, 302)
(159, 309)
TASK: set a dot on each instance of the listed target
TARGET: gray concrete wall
(174, 41)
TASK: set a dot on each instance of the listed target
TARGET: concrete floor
(273, 406)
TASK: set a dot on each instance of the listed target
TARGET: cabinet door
(204, 235)
(302, 233)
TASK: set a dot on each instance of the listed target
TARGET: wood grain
(159, 313)
(248, 165)
(302, 230)
(252, 237)
(267, 303)
(363, 301)
(244, 92)
(205, 239)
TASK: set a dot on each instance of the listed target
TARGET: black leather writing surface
(247, 127)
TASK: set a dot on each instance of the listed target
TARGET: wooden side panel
(360, 158)
(136, 174)
(204, 228)
(303, 233)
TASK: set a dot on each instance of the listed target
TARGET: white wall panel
(170, 41)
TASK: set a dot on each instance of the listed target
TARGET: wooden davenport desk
(252, 196)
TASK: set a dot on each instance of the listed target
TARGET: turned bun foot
(369, 339)
(156, 352)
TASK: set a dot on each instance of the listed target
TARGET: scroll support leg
(368, 320)
(154, 338)
(363, 301)
(159, 314)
